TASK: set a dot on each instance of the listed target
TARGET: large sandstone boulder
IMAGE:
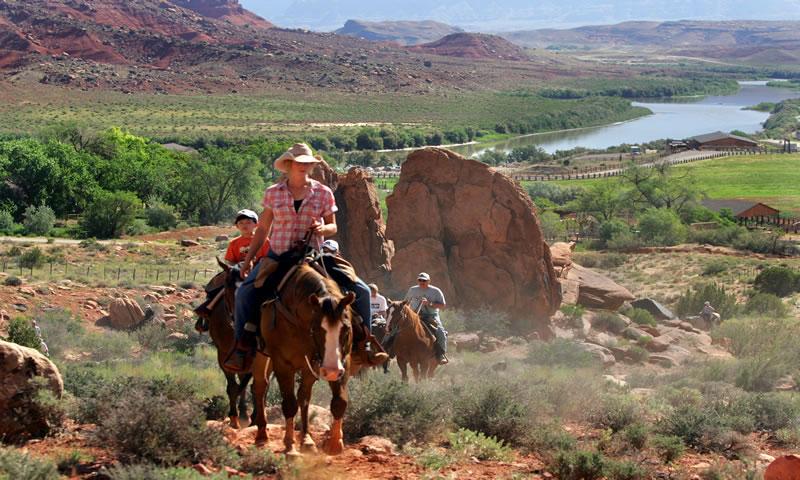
(475, 231)
(561, 253)
(362, 233)
(659, 312)
(124, 314)
(784, 468)
(23, 372)
(593, 290)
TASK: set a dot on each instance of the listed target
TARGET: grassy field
(771, 179)
(245, 115)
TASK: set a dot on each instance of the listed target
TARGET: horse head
(332, 333)
(397, 315)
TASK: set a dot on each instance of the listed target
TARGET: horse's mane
(308, 281)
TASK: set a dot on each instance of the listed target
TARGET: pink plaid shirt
(288, 226)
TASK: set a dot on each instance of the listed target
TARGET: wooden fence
(165, 274)
(789, 225)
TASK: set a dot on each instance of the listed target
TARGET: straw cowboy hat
(300, 152)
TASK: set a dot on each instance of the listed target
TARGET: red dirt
(208, 232)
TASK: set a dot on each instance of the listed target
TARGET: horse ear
(223, 265)
(314, 300)
(347, 300)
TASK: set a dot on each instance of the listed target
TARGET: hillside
(473, 45)
(162, 47)
(746, 40)
(406, 33)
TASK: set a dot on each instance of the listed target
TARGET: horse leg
(232, 389)
(335, 444)
(261, 369)
(416, 371)
(304, 397)
(403, 369)
(289, 407)
(243, 381)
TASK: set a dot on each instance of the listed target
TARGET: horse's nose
(331, 374)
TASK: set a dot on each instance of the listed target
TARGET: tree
(661, 226)
(552, 227)
(661, 186)
(218, 182)
(39, 220)
(110, 213)
(603, 200)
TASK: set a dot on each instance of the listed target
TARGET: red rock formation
(362, 233)
(472, 45)
(475, 231)
(229, 10)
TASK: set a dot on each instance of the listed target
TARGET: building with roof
(742, 209)
(721, 141)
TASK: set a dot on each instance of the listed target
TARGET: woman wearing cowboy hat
(294, 206)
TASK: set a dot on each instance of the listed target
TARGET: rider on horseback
(294, 207)
(426, 299)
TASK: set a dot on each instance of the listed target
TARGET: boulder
(375, 444)
(602, 354)
(189, 243)
(784, 468)
(475, 231)
(658, 311)
(221, 238)
(24, 371)
(561, 254)
(361, 233)
(595, 290)
(124, 314)
(464, 342)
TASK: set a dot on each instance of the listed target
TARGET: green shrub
(691, 302)
(494, 407)
(715, 267)
(138, 227)
(610, 322)
(573, 314)
(380, 405)
(559, 352)
(637, 353)
(788, 437)
(578, 465)
(17, 465)
(615, 412)
(766, 304)
(12, 281)
(21, 332)
(625, 470)
(154, 428)
(760, 373)
(640, 316)
(548, 438)
(261, 461)
(780, 281)
(93, 245)
(152, 336)
(39, 220)
(154, 472)
(160, 215)
(475, 444)
(624, 241)
(661, 226)
(636, 435)
(33, 258)
(668, 447)
(611, 229)
(7, 225)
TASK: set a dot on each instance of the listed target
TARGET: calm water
(669, 120)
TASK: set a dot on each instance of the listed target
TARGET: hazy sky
(499, 15)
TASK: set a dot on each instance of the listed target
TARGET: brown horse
(412, 343)
(220, 329)
(308, 331)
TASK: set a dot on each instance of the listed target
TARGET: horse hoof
(293, 453)
(234, 421)
(261, 438)
(308, 445)
(334, 448)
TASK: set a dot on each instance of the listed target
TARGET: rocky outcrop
(475, 232)
(784, 468)
(24, 371)
(561, 253)
(659, 312)
(361, 233)
(591, 289)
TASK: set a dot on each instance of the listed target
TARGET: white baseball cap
(330, 245)
(246, 213)
(423, 276)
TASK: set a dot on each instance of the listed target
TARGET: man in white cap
(427, 300)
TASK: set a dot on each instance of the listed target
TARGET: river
(670, 119)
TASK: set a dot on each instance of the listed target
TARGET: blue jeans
(248, 302)
(438, 331)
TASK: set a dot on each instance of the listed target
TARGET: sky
(506, 15)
